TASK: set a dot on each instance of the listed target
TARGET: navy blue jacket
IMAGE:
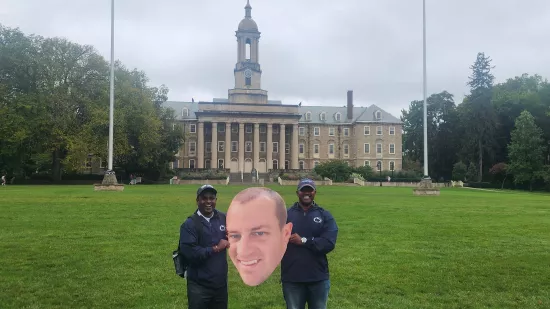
(206, 268)
(308, 262)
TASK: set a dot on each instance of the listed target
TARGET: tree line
(499, 134)
(54, 110)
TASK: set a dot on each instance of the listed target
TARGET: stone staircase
(235, 178)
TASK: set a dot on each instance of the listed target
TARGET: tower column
(227, 148)
(269, 156)
(282, 146)
(241, 147)
(200, 145)
(256, 145)
(214, 160)
(294, 148)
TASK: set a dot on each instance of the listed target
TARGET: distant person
(304, 267)
(258, 233)
(207, 270)
(3, 180)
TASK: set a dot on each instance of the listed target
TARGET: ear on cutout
(287, 231)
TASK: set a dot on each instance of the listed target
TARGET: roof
(360, 114)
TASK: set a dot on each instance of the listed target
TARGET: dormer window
(185, 112)
(323, 116)
(378, 115)
(337, 116)
(308, 116)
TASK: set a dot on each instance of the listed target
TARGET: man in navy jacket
(304, 267)
(206, 253)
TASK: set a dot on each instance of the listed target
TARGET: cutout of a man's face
(258, 234)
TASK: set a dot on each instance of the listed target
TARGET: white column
(227, 163)
(214, 159)
(256, 145)
(200, 146)
(294, 148)
(282, 147)
(269, 156)
(241, 147)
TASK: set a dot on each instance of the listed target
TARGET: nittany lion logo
(317, 220)
(222, 228)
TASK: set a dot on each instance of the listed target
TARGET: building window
(248, 81)
(287, 165)
(323, 116)
(337, 116)
(392, 130)
(378, 115)
(367, 163)
(221, 164)
(379, 165)
(392, 165)
(248, 146)
(234, 146)
(315, 163)
(221, 128)
(346, 131)
(346, 149)
(248, 127)
(207, 163)
(378, 130)
(316, 148)
(208, 147)
(331, 131)
(275, 146)
(263, 128)
(302, 131)
(221, 146)
(275, 129)
(366, 130)
(262, 147)
(301, 165)
(301, 148)
(191, 163)
(316, 131)
(192, 148)
(378, 148)
(234, 128)
(175, 164)
(392, 148)
(287, 148)
(330, 148)
(185, 112)
(367, 148)
(275, 164)
(193, 128)
(308, 116)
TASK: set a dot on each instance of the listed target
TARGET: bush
(202, 175)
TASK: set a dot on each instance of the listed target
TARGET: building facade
(247, 130)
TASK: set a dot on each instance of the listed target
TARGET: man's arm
(189, 245)
(327, 241)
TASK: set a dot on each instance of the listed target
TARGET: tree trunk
(56, 165)
(480, 177)
(502, 186)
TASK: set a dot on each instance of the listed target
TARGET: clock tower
(247, 70)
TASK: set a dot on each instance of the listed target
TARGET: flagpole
(112, 87)
(426, 175)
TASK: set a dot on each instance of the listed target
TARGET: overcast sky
(311, 50)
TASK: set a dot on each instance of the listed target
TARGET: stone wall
(326, 182)
(204, 182)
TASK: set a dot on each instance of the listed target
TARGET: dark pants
(200, 297)
(315, 294)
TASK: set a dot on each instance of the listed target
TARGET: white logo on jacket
(317, 220)
(222, 228)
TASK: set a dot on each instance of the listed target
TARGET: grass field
(71, 247)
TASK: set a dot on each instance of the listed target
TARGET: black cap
(206, 188)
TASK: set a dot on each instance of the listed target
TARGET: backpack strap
(198, 226)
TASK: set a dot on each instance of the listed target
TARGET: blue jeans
(315, 294)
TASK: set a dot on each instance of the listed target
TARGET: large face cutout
(257, 239)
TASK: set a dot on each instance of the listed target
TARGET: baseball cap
(206, 188)
(306, 182)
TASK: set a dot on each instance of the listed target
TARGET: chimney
(350, 104)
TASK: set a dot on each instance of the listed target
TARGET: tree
(526, 150)
(500, 170)
(471, 172)
(459, 171)
(337, 170)
(478, 116)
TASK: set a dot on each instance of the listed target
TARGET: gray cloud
(311, 50)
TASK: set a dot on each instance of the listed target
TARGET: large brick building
(247, 130)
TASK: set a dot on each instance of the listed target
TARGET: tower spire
(248, 9)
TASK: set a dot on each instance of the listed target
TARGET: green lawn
(71, 247)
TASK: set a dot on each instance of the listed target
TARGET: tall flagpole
(112, 94)
(426, 175)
